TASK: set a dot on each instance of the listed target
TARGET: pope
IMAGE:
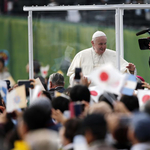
(92, 58)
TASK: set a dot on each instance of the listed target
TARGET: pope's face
(99, 44)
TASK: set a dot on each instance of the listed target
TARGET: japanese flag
(44, 71)
(36, 93)
(95, 92)
(108, 78)
(143, 97)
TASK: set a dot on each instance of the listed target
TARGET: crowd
(62, 118)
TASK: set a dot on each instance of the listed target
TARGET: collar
(57, 88)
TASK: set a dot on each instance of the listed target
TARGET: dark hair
(60, 103)
(36, 67)
(120, 133)
(96, 124)
(72, 126)
(79, 93)
(36, 117)
(2, 60)
(131, 102)
(57, 79)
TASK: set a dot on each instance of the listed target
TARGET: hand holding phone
(76, 108)
(77, 76)
(27, 83)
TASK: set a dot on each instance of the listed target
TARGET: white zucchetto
(98, 34)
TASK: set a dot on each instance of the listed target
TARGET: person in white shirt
(92, 58)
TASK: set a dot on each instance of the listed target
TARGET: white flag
(38, 82)
(37, 91)
(143, 97)
(108, 78)
(95, 92)
(44, 71)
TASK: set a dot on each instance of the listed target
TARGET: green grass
(54, 41)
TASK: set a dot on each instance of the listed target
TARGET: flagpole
(30, 43)
(117, 27)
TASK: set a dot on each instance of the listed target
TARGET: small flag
(16, 99)
(108, 78)
(38, 82)
(37, 91)
(95, 93)
(143, 97)
(3, 90)
(44, 71)
(130, 85)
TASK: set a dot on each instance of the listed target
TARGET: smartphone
(77, 73)
(143, 43)
(8, 84)
(76, 108)
(139, 86)
(27, 83)
(71, 109)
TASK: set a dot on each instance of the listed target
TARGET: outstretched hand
(131, 68)
(146, 85)
(58, 116)
(84, 80)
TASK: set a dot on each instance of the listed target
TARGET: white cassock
(89, 60)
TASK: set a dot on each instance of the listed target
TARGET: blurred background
(58, 36)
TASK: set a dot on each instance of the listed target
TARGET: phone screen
(76, 108)
(77, 73)
(139, 86)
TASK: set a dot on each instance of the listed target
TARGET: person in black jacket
(56, 83)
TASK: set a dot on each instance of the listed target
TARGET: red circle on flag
(44, 72)
(104, 76)
(94, 93)
(145, 98)
(39, 94)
